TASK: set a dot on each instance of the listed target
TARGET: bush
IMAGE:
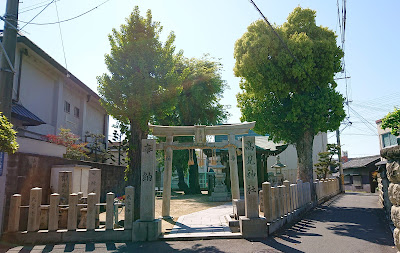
(8, 139)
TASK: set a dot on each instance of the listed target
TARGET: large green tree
(141, 82)
(197, 104)
(392, 121)
(292, 100)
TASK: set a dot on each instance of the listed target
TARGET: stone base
(238, 208)
(253, 227)
(219, 196)
(146, 230)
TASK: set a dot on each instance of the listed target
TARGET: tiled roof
(361, 161)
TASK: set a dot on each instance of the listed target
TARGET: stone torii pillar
(166, 198)
(233, 168)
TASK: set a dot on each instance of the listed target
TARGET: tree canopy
(290, 98)
(142, 82)
(392, 121)
(326, 161)
(197, 104)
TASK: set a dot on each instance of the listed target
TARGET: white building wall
(289, 158)
(37, 95)
(94, 120)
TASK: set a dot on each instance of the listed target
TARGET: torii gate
(199, 132)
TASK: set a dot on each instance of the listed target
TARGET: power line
(62, 41)
(27, 23)
(366, 122)
(69, 19)
(36, 4)
(34, 8)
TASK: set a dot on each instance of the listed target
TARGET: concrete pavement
(352, 222)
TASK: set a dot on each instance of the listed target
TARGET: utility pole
(7, 60)
(340, 160)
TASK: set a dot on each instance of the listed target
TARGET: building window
(388, 140)
(76, 112)
(67, 107)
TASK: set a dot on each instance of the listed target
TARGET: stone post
(282, 200)
(250, 177)
(292, 197)
(233, 168)
(35, 200)
(54, 211)
(252, 225)
(266, 189)
(64, 186)
(91, 211)
(300, 193)
(110, 210)
(295, 197)
(72, 211)
(147, 192)
(14, 214)
(94, 184)
(166, 198)
(277, 203)
(129, 200)
(286, 183)
(273, 203)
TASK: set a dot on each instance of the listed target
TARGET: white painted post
(14, 214)
(35, 200)
(129, 200)
(110, 210)
(64, 186)
(166, 198)
(233, 168)
(72, 211)
(54, 211)
(250, 176)
(148, 186)
(266, 189)
(91, 211)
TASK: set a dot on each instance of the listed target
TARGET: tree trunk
(304, 149)
(181, 183)
(194, 185)
(134, 169)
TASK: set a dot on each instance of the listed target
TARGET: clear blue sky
(213, 26)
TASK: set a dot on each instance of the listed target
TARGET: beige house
(386, 139)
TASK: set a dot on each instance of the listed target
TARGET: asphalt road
(352, 222)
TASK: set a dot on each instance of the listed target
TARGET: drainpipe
(21, 53)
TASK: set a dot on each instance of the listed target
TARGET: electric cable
(62, 40)
(69, 19)
(27, 23)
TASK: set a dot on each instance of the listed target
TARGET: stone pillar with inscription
(166, 198)
(35, 200)
(64, 186)
(251, 225)
(147, 228)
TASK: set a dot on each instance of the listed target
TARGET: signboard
(1, 163)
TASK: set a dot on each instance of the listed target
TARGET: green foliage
(97, 151)
(392, 120)
(277, 92)
(8, 139)
(291, 100)
(142, 79)
(197, 103)
(325, 160)
(75, 149)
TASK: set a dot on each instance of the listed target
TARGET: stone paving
(208, 223)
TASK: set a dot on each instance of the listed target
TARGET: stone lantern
(220, 192)
(278, 170)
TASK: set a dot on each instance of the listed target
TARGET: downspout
(21, 53)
